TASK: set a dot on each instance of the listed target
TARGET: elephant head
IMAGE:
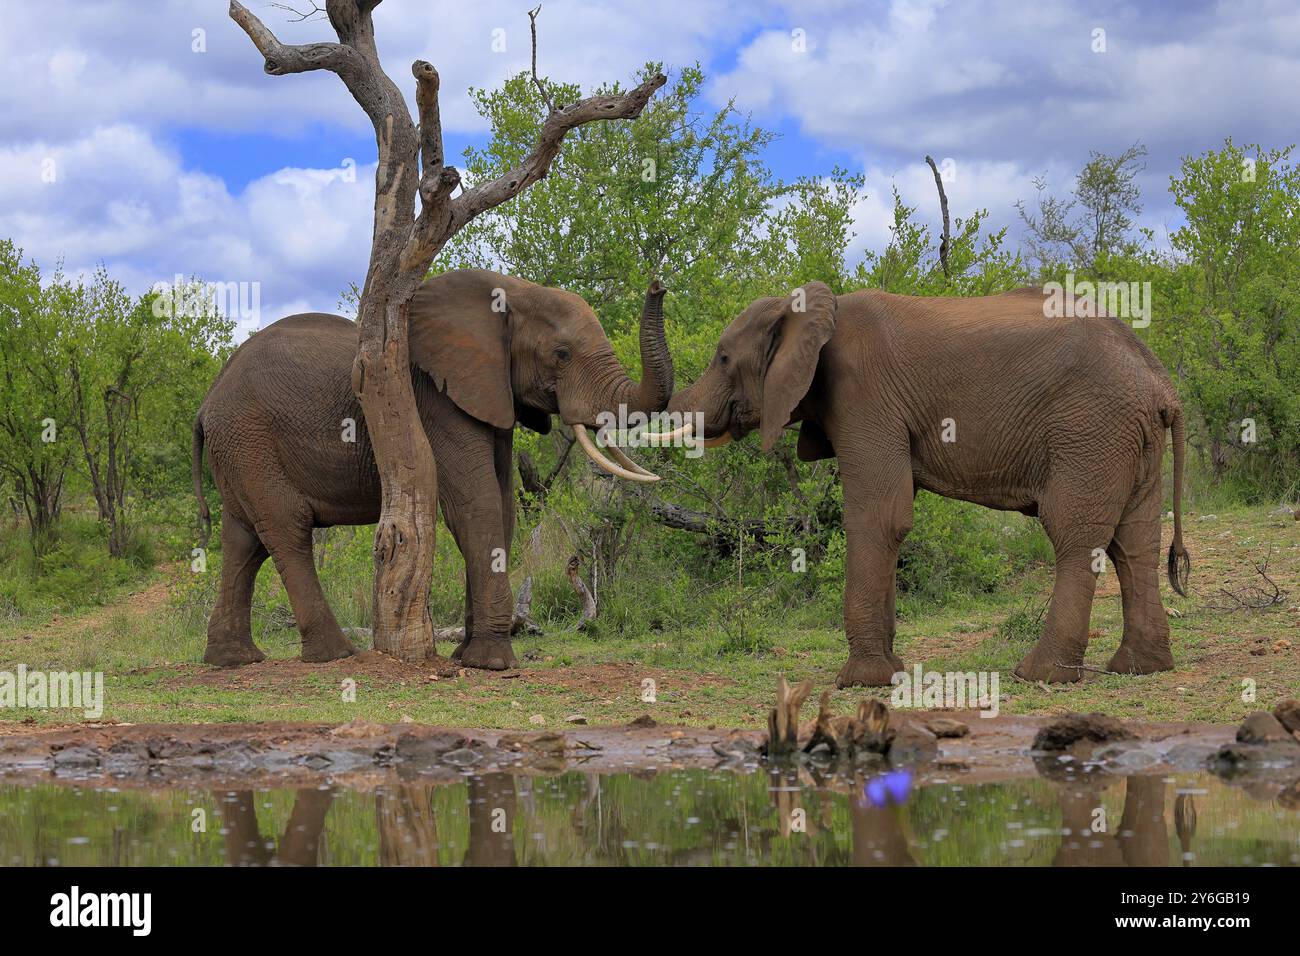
(507, 350)
(762, 369)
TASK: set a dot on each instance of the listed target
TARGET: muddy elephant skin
(987, 400)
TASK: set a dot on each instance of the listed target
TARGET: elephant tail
(1180, 562)
(196, 472)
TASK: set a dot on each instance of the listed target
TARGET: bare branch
(535, 166)
(283, 58)
(532, 25)
(943, 207)
(437, 181)
(300, 15)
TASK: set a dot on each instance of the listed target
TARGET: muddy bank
(364, 755)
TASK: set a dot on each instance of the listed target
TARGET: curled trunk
(656, 385)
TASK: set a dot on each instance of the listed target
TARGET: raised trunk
(656, 362)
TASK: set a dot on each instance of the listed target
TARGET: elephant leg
(502, 464)
(486, 571)
(322, 639)
(875, 525)
(1080, 523)
(230, 633)
(471, 502)
(1135, 554)
(1143, 834)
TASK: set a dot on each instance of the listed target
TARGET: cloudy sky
(171, 152)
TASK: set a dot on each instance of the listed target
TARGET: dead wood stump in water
(865, 732)
(783, 719)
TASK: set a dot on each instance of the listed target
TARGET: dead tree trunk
(403, 247)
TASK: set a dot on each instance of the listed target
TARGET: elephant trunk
(656, 386)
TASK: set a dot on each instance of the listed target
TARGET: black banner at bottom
(336, 905)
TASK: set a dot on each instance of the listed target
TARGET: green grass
(714, 645)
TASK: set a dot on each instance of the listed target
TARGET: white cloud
(120, 198)
(1009, 81)
(66, 66)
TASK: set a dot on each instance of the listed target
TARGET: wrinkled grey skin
(275, 425)
(982, 399)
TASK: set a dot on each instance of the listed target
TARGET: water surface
(693, 817)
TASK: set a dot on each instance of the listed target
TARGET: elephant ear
(804, 324)
(459, 334)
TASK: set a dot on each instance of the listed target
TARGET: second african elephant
(983, 399)
(288, 446)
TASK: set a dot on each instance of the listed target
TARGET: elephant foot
(330, 647)
(486, 653)
(1050, 666)
(1141, 658)
(869, 671)
(230, 653)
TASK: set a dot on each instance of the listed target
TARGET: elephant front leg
(487, 639)
(874, 531)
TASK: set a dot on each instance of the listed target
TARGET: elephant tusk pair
(627, 468)
(684, 432)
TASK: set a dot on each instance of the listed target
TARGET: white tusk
(723, 439)
(580, 432)
(663, 438)
(625, 461)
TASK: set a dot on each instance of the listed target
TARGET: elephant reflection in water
(408, 832)
(300, 844)
(1142, 837)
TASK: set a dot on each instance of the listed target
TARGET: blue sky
(173, 152)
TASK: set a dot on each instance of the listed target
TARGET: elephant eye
(722, 359)
(562, 354)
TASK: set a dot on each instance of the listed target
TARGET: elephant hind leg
(1135, 554)
(230, 635)
(288, 538)
(1080, 521)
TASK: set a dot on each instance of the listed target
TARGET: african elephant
(289, 451)
(983, 399)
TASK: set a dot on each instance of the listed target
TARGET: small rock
(1258, 651)
(645, 720)
(408, 719)
(1287, 713)
(355, 729)
(537, 720)
(549, 743)
(947, 727)
(1208, 518)
(1173, 612)
(912, 743)
(575, 719)
(425, 749)
(461, 757)
(1063, 733)
(1262, 727)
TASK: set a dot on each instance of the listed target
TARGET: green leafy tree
(1231, 297)
(32, 396)
(1096, 223)
(121, 355)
